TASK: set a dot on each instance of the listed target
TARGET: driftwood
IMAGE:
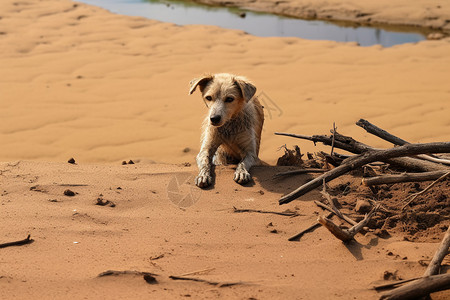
(428, 283)
(286, 213)
(365, 158)
(148, 277)
(433, 267)
(310, 228)
(419, 288)
(415, 195)
(383, 134)
(405, 177)
(28, 240)
(216, 283)
(344, 234)
(353, 146)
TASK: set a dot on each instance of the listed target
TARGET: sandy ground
(77, 81)
(421, 13)
(150, 230)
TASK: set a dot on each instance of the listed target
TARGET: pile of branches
(418, 162)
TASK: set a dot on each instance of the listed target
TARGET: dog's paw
(242, 176)
(203, 180)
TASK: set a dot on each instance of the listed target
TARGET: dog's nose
(215, 119)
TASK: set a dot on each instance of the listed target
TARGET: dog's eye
(229, 99)
(209, 98)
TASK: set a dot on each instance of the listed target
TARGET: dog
(232, 128)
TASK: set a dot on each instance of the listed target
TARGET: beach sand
(78, 81)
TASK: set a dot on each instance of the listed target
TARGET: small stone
(71, 161)
(363, 206)
(124, 163)
(187, 150)
(150, 279)
(69, 193)
(242, 15)
(130, 162)
(261, 192)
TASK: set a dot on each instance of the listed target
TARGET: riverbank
(426, 14)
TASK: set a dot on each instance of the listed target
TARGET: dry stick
(340, 215)
(419, 288)
(343, 234)
(415, 195)
(126, 272)
(333, 207)
(198, 272)
(405, 177)
(393, 284)
(383, 134)
(28, 240)
(219, 284)
(333, 140)
(310, 228)
(289, 214)
(298, 172)
(351, 145)
(433, 267)
(365, 158)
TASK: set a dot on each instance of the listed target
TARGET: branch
(351, 145)
(405, 177)
(365, 158)
(383, 134)
(439, 256)
(344, 234)
(28, 240)
(216, 283)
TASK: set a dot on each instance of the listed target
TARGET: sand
(422, 13)
(77, 81)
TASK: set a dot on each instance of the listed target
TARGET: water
(258, 24)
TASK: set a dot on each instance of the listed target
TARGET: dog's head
(224, 94)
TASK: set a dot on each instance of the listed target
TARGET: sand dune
(79, 81)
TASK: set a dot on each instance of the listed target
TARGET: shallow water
(258, 24)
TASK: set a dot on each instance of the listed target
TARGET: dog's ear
(248, 90)
(201, 82)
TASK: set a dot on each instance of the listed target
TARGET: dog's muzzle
(215, 120)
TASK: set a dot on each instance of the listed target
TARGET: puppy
(232, 128)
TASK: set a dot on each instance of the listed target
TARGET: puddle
(258, 24)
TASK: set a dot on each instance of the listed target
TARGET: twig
(148, 277)
(28, 240)
(340, 215)
(344, 234)
(310, 228)
(216, 283)
(289, 214)
(433, 267)
(415, 195)
(333, 139)
(198, 272)
(298, 172)
(365, 158)
(405, 177)
(333, 207)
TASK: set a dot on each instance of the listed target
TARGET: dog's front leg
(242, 174)
(204, 163)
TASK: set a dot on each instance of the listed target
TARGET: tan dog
(232, 129)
